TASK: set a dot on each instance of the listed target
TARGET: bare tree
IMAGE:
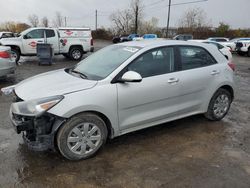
(149, 26)
(34, 20)
(194, 18)
(128, 20)
(122, 21)
(45, 22)
(136, 9)
(58, 22)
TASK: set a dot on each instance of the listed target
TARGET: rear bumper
(38, 132)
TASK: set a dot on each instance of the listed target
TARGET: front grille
(239, 44)
(16, 98)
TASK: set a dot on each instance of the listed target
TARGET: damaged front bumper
(38, 132)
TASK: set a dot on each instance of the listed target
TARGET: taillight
(4, 54)
(231, 65)
(92, 42)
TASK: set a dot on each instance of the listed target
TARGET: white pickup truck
(70, 42)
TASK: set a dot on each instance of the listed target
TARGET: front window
(35, 34)
(102, 63)
(154, 62)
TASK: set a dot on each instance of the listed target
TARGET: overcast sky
(82, 12)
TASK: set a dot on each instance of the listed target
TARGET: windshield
(102, 63)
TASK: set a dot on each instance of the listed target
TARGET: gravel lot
(191, 152)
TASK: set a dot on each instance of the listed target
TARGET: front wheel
(15, 55)
(76, 53)
(248, 52)
(82, 136)
(219, 105)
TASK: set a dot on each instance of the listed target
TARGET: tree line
(131, 20)
(33, 21)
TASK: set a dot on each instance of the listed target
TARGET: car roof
(154, 43)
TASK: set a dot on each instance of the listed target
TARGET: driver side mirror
(131, 76)
(25, 37)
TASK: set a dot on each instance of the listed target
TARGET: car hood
(50, 84)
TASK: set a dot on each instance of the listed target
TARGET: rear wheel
(219, 105)
(82, 136)
(76, 53)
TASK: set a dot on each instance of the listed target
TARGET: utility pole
(169, 9)
(96, 20)
(65, 19)
(136, 18)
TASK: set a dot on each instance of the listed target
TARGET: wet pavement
(191, 152)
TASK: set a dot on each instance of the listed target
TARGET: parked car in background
(6, 35)
(7, 65)
(120, 89)
(129, 37)
(232, 43)
(243, 47)
(218, 39)
(116, 39)
(184, 37)
(224, 49)
(150, 36)
(70, 42)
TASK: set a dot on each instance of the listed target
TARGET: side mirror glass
(131, 76)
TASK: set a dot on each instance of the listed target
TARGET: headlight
(35, 107)
(8, 90)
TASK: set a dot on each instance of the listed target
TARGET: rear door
(52, 39)
(31, 39)
(198, 73)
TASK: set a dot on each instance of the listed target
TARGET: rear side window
(194, 57)
(50, 33)
(154, 62)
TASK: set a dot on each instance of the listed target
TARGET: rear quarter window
(192, 57)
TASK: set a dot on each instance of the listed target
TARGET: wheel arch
(229, 89)
(15, 47)
(101, 115)
(76, 46)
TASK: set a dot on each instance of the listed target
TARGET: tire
(215, 110)
(15, 54)
(76, 53)
(66, 56)
(74, 142)
(241, 53)
(248, 52)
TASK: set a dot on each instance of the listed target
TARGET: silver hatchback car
(120, 89)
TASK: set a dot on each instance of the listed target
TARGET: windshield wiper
(82, 75)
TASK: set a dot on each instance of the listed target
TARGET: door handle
(215, 72)
(40, 41)
(173, 80)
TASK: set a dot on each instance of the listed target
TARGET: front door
(31, 39)
(154, 99)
